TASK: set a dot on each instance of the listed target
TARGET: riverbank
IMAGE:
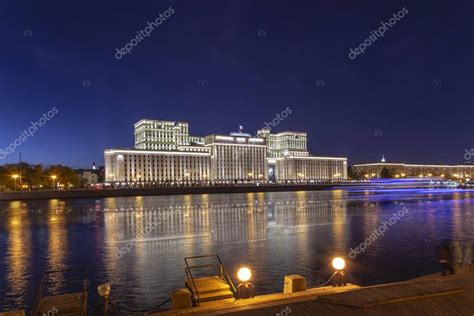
(77, 194)
(428, 295)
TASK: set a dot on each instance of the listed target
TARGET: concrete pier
(71, 194)
(428, 295)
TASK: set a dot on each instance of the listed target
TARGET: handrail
(84, 294)
(192, 280)
(229, 282)
(223, 275)
(202, 256)
(204, 266)
(40, 295)
(65, 270)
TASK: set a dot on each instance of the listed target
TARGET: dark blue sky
(415, 84)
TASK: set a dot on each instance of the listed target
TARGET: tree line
(24, 176)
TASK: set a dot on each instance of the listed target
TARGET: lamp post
(104, 293)
(339, 278)
(54, 177)
(245, 289)
(15, 176)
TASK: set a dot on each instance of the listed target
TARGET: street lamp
(339, 278)
(245, 289)
(15, 176)
(54, 177)
(104, 293)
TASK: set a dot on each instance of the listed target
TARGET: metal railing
(223, 275)
(46, 274)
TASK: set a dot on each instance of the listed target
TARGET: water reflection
(17, 253)
(57, 244)
(274, 233)
(190, 223)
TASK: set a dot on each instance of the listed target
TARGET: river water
(138, 244)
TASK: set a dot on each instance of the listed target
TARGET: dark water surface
(138, 244)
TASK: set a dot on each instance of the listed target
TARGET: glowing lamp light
(338, 263)
(104, 290)
(339, 276)
(244, 274)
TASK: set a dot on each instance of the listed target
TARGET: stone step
(208, 285)
(215, 296)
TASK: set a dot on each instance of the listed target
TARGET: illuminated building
(311, 168)
(289, 160)
(237, 157)
(155, 166)
(284, 144)
(402, 170)
(165, 135)
(165, 152)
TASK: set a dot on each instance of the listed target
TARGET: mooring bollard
(181, 299)
(294, 283)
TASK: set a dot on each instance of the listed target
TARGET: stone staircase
(211, 288)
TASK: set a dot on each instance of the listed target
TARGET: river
(138, 244)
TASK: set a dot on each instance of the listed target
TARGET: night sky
(221, 63)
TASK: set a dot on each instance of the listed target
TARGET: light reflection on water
(138, 244)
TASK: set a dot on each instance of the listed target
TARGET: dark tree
(386, 173)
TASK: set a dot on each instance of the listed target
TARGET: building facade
(165, 152)
(237, 157)
(289, 160)
(311, 168)
(123, 165)
(163, 135)
(402, 170)
(284, 144)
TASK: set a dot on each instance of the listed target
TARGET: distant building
(284, 144)
(101, 174)
(163, 135)
(289, 160)
(88, 177)
(237, 157)
(403, 170)
(304, 168)
(125, 165)
(165, 152)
